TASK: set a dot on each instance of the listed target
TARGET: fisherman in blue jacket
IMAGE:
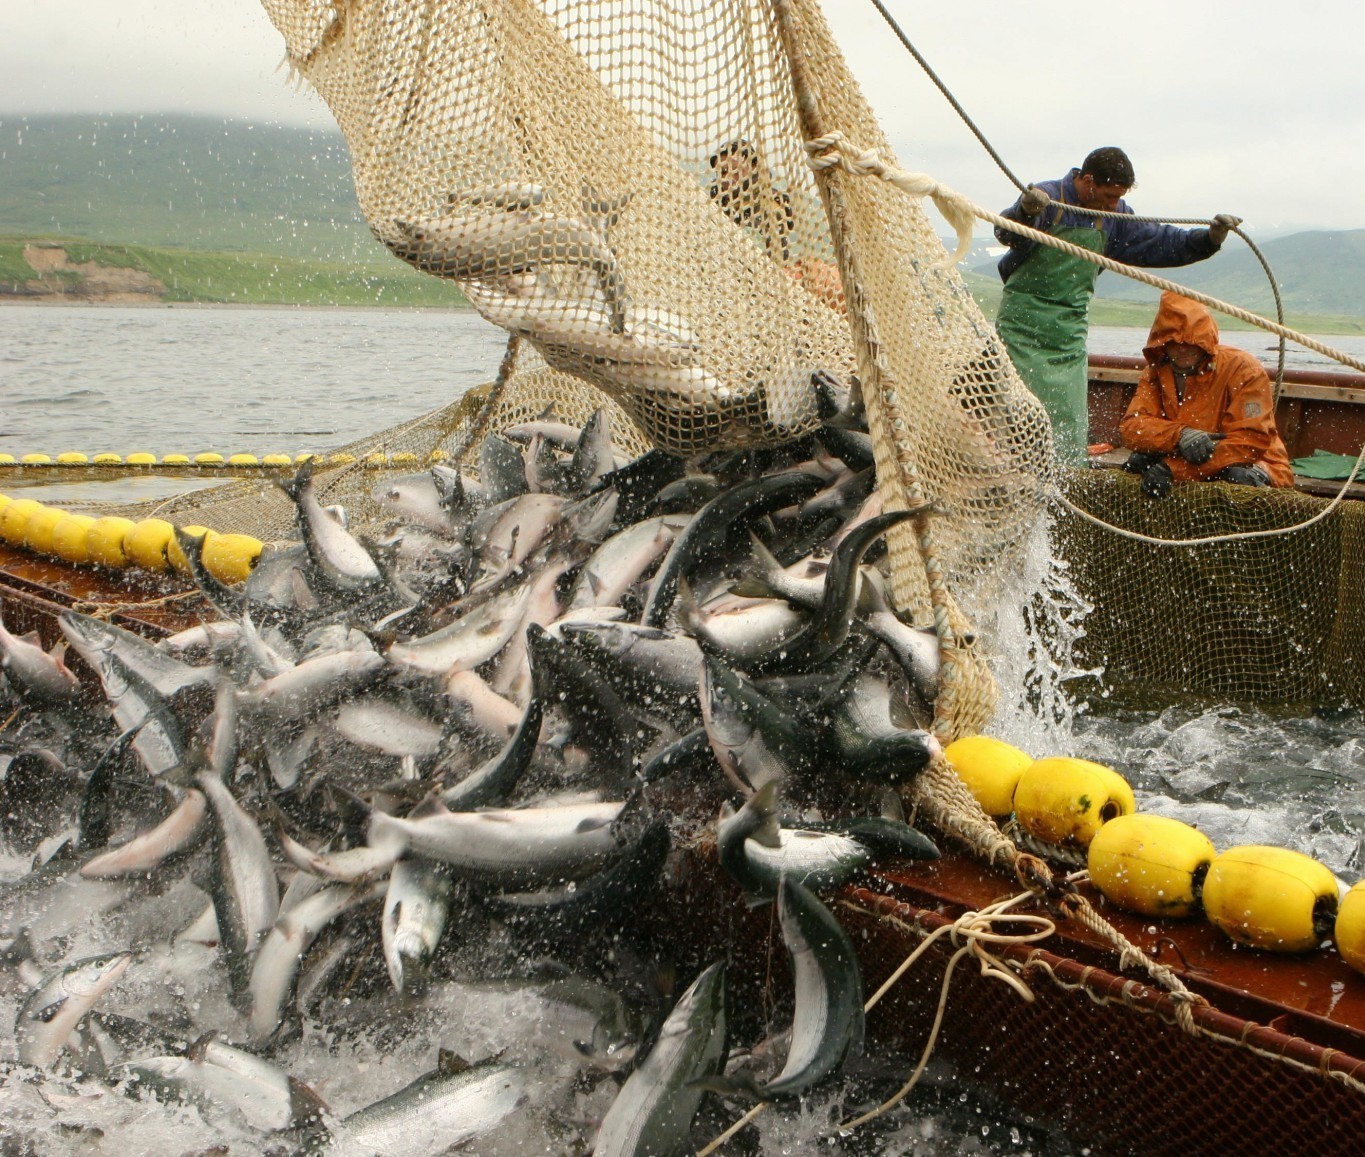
(1043, 311)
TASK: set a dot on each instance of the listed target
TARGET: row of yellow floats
(1266, 897)
(377, 459)
(117, 543)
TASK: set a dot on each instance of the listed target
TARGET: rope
(829, 151)
(1018, 184)
(970, 933)
(1137, 536)
(977, 929)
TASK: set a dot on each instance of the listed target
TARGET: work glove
(1244, 476)
(1221, 226)
(1196, 446)
(1034, 201)
(1157, 479)
(1138, 461)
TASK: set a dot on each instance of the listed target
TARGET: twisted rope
(831, 151)
(1018, 184)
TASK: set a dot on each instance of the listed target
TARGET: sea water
(186, 379)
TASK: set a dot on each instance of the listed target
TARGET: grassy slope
(252, 278)
(169, 186)
(1114, 311)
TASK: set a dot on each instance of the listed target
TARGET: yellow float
(14, 516)
(70, 538)
(141, 458)
(72, 458)
(1153, 865)
(148, 542)
(104, 540)
(1350, 927)
(1271, 898)
(1065, 801)
(231, 557)
(990, 768)
(39, 527)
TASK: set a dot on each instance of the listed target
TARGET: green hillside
(236, 278)
(1319, 273)
(221, 210)
(187, 182)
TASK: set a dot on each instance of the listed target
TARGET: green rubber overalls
(1042, 321)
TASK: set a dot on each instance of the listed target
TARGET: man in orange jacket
(1202, 410)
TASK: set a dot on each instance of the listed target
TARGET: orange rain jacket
(1231, 396)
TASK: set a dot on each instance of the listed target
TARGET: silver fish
(415, 907)
(53, 1009)
(523, 846)
(471, 639)
(32, 669)
(276, 965)
(828, 1022)
(343, 563)
(246, 896)
(178, 832)
(653, 1112)
(302, 690)
(446, 1108)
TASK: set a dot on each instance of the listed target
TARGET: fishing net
(1276, 618)
(627, 189)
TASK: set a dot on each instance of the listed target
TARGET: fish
(54, 1008)
(312, 684)
(34, 671)
(246, 895)
(755, 739)
(758, 853)
(505, 846)
(225, 1082)
(506, 243)
(415, 907)
(712, 525)
(449, 1107)
(275, 965)
(340, 560)
(653, 1112)
(828, 1022)
(180, 831)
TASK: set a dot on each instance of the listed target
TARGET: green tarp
(1326, 466)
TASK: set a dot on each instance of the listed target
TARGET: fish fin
(890, 804)
(450, 1064)
(306, 1107)
(755, 582)
(763, 803)
(199, 1046)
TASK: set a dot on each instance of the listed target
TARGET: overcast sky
(1224, 106)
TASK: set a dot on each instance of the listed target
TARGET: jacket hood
(1179, 319)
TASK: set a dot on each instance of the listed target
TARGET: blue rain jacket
(1132, 242)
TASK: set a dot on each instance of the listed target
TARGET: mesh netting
(1115, 1074)
(626, 187)
(1279, 618)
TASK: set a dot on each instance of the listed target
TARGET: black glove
(1138, 462)
(1221, 226)
(1157, 479)
(1034, 201)
(1196, 446)
(1244, 476)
